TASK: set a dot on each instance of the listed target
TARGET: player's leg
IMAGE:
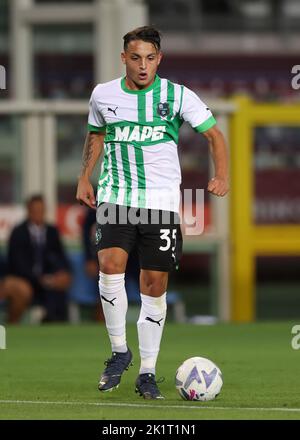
(159, 252)
(114, 244)
(153, 286)
(112, 263)
(18, 291)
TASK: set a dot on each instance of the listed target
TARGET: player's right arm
(92, 150)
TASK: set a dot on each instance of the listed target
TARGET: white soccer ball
(198, 378)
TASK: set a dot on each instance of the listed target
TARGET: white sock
(150, 328)
(114, 304)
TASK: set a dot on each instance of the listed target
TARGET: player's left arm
(219, 184)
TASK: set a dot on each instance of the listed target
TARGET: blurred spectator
(38, 272)
(90, 256)
(88, 236)
(132, 277)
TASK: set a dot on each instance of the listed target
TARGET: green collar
(125, 88)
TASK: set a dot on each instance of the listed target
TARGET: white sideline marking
(136, 405)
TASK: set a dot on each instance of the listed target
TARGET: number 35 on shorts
(168, 235)
(171, 245)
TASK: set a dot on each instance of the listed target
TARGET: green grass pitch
(51, 372)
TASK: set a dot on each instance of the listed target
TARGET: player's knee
(158, 288)
(156, 284)
(112, 261)
(110, 266)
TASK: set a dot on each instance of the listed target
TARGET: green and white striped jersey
(140, 166)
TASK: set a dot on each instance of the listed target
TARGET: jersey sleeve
(96, 121)
(195, 112)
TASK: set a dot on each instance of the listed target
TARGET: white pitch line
(136, 405)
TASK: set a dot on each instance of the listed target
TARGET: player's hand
(218, 186)
(85, 193)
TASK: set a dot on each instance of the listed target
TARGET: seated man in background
(38, 271)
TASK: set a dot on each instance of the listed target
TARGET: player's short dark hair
(35, 198)
(144, 33)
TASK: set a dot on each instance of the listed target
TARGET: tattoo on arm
(90, 146)
(87, 153)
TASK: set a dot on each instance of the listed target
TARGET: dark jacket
(21, 256)
(88, 241)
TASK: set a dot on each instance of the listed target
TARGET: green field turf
(53, 372)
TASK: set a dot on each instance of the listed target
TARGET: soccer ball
(198, 378)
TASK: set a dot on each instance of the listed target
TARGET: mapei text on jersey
(139, 133)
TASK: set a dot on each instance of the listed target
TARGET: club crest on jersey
(163, 109)
(98, 236)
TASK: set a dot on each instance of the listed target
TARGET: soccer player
(136, 120)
